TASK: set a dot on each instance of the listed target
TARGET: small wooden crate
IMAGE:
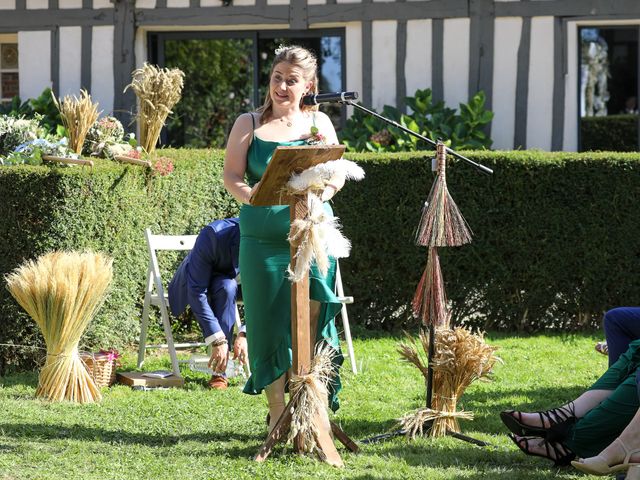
(101, 366)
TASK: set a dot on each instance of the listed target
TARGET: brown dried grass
(78, 115)
(460, 358)
(158, 90)
(309, 395)
(62, 292)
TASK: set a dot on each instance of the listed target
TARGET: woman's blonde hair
(299, 57)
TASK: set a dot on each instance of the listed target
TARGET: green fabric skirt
(266, 292)
(603, 424)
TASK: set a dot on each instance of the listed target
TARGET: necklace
(288, 122)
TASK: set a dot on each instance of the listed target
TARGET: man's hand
(219, 357)
(240, 351)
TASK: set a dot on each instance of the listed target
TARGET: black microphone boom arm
(337, 97)
(480, 167)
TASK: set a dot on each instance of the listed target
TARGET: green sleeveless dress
(266, 291)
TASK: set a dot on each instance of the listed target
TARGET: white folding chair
(345, 318)
(160, 299)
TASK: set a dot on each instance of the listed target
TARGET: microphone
(337, 97)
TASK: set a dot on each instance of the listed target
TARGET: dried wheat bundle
(442, 224)
(430, 303)
(414, 423)
(460, 358)
(318, 237)
(158, 90)
(78, 116)
(62, 292)
(309, 395)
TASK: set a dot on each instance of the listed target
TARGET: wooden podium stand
(271, 191)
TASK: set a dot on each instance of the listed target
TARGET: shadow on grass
(78, 432)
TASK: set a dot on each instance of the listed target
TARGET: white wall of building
(456, 61)
(102, 68)
(37, 4)
(570, 138)
(383, 72)
(7, 4)
(353, 62)
(102, 4)
(417, 68)
(540, 101)
(505, 71)
(34, 52)
(70, 60)
(70, 3)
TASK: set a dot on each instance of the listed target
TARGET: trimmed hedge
(105, 208)
(557, 238)
(610, 133)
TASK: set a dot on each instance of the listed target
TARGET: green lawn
(194, 433)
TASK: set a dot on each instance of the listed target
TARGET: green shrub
(464, 130)
(105, 208)
(556, 238)
(616, 133)
(556, 243)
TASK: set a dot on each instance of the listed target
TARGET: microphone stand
(431, 352)
(480, 167)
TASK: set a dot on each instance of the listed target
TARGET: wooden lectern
(272, 191)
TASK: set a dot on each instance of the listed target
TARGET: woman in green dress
(264, 250)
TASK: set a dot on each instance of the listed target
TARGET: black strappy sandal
(557, 452)
(559, 420)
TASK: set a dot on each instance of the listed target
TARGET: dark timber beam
(566, 8)
(298, 11)
(43, 19)
(481, 48)
(123, 59)
(401, 59)
(249, 15)
(85, 58)
(559, 70)
(522, 86)
(55, 60)
(298, 15)
(349, 12)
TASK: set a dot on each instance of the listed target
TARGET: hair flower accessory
(316, 138)
(281, 49)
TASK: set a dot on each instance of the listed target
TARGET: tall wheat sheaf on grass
(62, 291)
(461, 357)
(78, 115)
(158, 90)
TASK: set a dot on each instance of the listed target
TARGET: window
(9, 80)
(609, 88)
(226, 73)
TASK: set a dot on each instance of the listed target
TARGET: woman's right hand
(252, 193)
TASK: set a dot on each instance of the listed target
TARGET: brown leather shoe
(218, 383)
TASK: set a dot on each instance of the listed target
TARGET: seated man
(206, 280)
(621, 327)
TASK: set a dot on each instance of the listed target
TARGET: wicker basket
(101, 366)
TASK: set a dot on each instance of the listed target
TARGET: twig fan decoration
(454, 357)
(441, 225)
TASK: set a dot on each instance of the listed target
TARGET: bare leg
(275, 397)
(581, 406)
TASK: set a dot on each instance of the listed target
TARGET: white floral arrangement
(17, 131)
(31, 152)
(105, 132)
